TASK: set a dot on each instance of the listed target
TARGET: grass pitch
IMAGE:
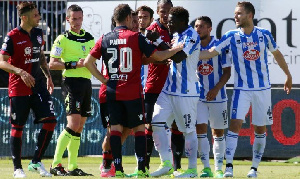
(272, 170)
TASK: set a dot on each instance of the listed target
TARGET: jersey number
(125, 59)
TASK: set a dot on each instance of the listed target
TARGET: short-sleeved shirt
(210, 72)
(24, 50)
(182, 78)
(249, 57)
(157, 73)
(71, 46)
(122, 51)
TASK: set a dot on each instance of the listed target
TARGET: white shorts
(260, 101)
(182, 109)
(215, 113)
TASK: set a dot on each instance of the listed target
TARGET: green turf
(272, 170)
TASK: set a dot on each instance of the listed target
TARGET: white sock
(160, 139)
(231, 144)
(258, 148)
(191, 144)
(219, 150)
(169, 134)
(203, 149)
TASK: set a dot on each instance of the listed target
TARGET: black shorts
(77, 93)
(41, 104)
(150, 100)
(104, 114)
(126, 113)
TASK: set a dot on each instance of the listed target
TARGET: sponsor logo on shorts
(13, 116)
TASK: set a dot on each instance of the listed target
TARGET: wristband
(158, 41)
(70, 65)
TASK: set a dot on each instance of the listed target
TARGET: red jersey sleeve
(96, 51)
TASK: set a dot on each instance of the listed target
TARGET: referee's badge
(83, 48)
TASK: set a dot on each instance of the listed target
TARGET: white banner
(280, 18)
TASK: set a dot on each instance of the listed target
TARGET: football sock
(203, 148)
(161, 142)
(150, 145)
(73, 149)
(219, 150)
(16, 145)
(177, 139)
(258, 148)
(62, 143)
(44, 139)
(231, 144)
(116, 149)
(107, 159)
(140, 149)
(191, 145)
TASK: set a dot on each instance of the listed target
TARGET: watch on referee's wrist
(70, 65)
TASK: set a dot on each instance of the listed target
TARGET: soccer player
(23, 57)
(248, 45)
(122, 51)
(212, 105)
(179, 96)
(67, 54)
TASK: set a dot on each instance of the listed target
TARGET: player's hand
(27, 78)
(50, 85)
(80, 63)
(211, 95)
(172, 41)
(105, 80)
(152, 35)
(288, 84)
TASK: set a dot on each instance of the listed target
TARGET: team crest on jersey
(83, 48)
(251, 54)
(205, 69)
(27, 51)
(39, 39)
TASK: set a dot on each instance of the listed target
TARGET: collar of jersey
(24, 31)
(121, 27)
(247, 35)
(160, 25)
(79, 35)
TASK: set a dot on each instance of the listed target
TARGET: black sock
(16, 145)
(116, 149)
(178, 141)
(255, 169)
(229, 165)
(150, 145)
(140, 149)
(44, 139)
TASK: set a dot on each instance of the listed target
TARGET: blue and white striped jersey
(144, 75)
(249, 57)
(182, 78)
(210, 72)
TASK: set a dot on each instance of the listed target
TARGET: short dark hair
(159, 2)
(134, 13)
(73, 8)
(25, 7)
(247, 6)
(121, 12)
(146, 8)
(206, 19)
(180, 13)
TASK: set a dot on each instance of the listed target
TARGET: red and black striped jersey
(122, 51)
(157, 73)
(24, 50)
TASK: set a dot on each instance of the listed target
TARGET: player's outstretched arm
(162, 55)
(207, 54)
(282, 64)
(26, 77)
(89, 63)
(56, 64)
